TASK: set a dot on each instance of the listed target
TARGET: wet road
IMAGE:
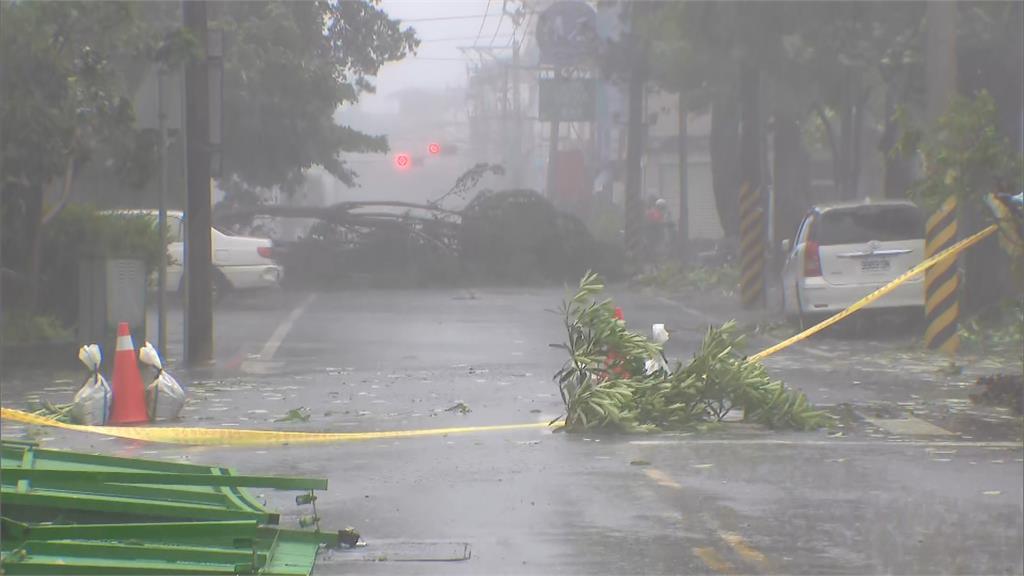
(914, 480)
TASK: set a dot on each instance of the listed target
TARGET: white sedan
(843, 252)
(240, 262)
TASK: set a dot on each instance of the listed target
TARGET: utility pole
(750, 146)
(752, 278)
(940, 58)
(942, 290)
(2, 191)
(506, 110)
(553, 151)
(684, 191)
(198, 267)
(517, 126)
(161, 291)
(635, 141)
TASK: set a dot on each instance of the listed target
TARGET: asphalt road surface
(914, 479)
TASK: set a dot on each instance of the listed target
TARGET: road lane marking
(712, 559)
(736, 542)
(687, 309)
(817, 352)
(270, 348)
(748, 553)
(832, 443)
(909, 426)
(662, 479)
(261, 364)
(258, 367)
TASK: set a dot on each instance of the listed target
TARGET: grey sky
(438, 62)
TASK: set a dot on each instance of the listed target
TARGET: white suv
(844, 252)
(240, 262)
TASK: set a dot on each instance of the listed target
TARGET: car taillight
(812, 260)
(265, 251)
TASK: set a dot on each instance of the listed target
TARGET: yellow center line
(711, 558)
(748, 553)
(734, 540)
(661, 478)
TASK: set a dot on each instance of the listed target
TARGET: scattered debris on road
(1001, 390)
(459, 407)
(300, 414)
(610, 383)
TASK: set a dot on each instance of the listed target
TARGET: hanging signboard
(566, 33)
(566, 99)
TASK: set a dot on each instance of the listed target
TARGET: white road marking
(687, 309)
(661, 478)
(261, 363)
(909, 426)
(270, 348)
(817, 352)
(259, 367)
(831, 443)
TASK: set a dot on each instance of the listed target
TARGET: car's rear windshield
(866, 223)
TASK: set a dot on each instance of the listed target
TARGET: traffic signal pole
(198, 267)
(553, 154)
(635, 142)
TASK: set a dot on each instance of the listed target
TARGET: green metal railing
(182, 518)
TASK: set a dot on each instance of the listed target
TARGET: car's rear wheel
(218, 289)
(798, 316)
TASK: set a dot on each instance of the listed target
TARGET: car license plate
(874, 265)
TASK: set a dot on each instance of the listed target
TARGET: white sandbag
(164, 396)
(91, 405)
(660, 336)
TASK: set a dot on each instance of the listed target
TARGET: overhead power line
(440, 18)
(482, 22)
(455, 39)
(504, 4)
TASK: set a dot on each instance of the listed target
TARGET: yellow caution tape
(915, 271)
(237, 437)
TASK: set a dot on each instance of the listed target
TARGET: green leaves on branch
(606, 383)
(964, 156)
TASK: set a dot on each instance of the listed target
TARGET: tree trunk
(858, 139)
(34, 233)
(69, 179)
(683, 229)
(789, 189)
(833, 146)
(725, 169)
(845, 142)
(897, 173)
(855, 137)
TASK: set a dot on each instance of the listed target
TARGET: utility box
(111, 292)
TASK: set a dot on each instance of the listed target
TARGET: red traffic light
(403, 161)
(434, 148)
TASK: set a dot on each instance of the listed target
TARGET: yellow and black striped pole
(942, 282)
(751, 247)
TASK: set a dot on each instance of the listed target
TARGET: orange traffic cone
(129, 395)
